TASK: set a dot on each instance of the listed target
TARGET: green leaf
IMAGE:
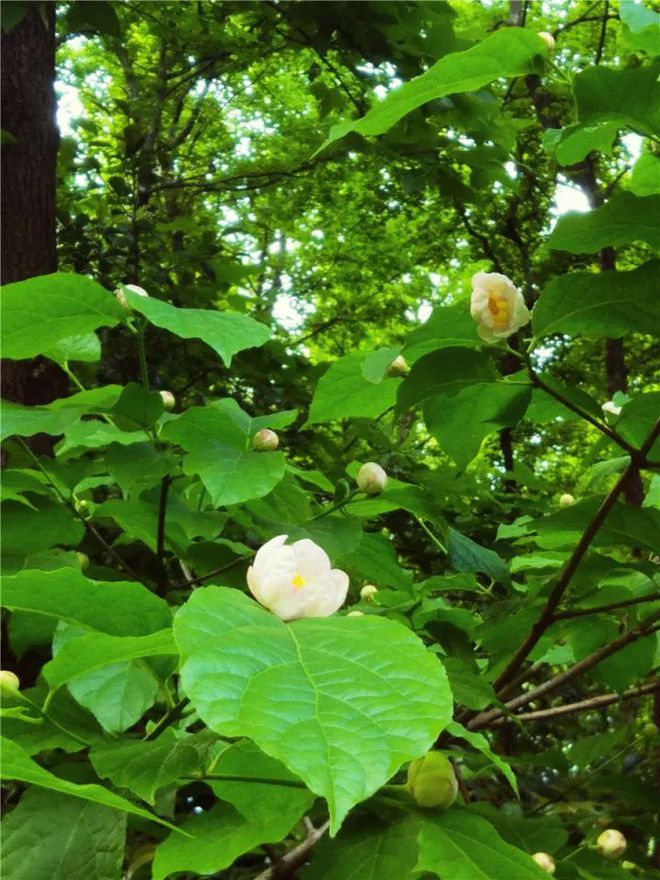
(225, 332)
(96, 650)
(459, 845)
(146, 767)
(641, 27)
(468, 688)
(56, 416)
(98, 16)
(219, 452)
(16, 764)
(466, 555)
(460, 422)
(507, 52)
(610, 99)
(85, 348)
(448, 327)
(638, 419)
(367, 848)
(339, 688)
(137, 466)
(254, 813)
(444, 372)
(532, 835)
(603, 304)
(51, 836)
(624, 219)
(479, 742)
(136, 408)
(345, 392)
(39, 313)
(645, 180)
(26, 531)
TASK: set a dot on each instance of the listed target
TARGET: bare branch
(295, 858)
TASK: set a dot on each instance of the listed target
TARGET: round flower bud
(168, 400)
(371, 478)
(368, 592)
(83, 561)
(548, 39)
(355, 614)
(544, 861)
(497, 306)
(121, 296)
(9, 683)
(566, 500)
(398, 367)
(265, 440)
(611, 843)
(611, 408)
(650, 730)
(296, 580)
(432, 781)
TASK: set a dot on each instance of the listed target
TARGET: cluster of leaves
(168, 724)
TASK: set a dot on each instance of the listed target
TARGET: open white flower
(611, 408)
(497, 306)
(296, 580)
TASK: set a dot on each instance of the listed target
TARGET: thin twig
(204, 577)
(168, 718)
(597, 702)
(600, 609)
(160, 530)
(555, 597)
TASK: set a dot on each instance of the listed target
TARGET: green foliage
(165, 727)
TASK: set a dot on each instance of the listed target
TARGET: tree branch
(295, 858)
(646, 628)
(555, 597)
(585, 705)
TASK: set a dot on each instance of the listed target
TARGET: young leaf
(624, 219)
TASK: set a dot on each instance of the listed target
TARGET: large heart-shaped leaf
(343, 702)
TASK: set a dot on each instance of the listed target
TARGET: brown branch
(646, 628)
(295, 858)
(598, 702)
(204, 577)
(603, 32)
(556, 595)
(599, 609)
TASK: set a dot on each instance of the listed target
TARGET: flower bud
(355, 614)
(121, 296)
(9, 683)
(371, 478)
(548, 39)
(566, 500)
(611, 844)
(398, 367)
(611, 408)
(432, 781)
(168, 400)
(265, 440)
(368, 592)
(544, 861)
(650, 730)
(83, 561)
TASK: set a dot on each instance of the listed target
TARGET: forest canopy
(330, 463)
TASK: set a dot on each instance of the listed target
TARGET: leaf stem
(168, 718)
(428, 531)
(144, 372)
(337, 506)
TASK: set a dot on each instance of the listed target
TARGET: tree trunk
(29, 184)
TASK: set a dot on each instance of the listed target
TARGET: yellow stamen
(499, 309)
(297, 581)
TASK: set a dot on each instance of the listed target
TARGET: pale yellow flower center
(498, 306)
(297, 581)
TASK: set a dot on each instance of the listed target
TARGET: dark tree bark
(29, 185)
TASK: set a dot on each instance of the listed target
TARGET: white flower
(611, 844)
(296, 580)
(566, 500)
(121, 296)
(368, 592)
(265, 440)
(398, 367)
(548, 39)
(371, 478)
(168, 400)
(497, 306)
(611, 408)
(544, 861)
